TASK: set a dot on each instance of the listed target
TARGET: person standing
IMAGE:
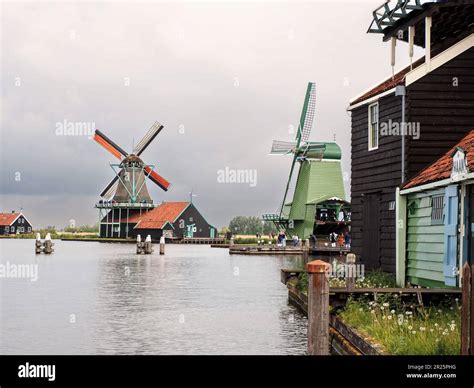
(347, 240)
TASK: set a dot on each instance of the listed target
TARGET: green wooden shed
(435, 220)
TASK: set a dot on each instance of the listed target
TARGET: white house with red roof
(14, 223)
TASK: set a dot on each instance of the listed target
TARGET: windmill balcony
(129, 205)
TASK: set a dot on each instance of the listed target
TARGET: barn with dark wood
(174, 220)
(410, 119)
(14, 223)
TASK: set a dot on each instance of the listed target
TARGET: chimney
(13, 211)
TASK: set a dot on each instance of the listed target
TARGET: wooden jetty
(288, 250)
(339, 295)
(265, 250)
(201, 240)
(322, 250)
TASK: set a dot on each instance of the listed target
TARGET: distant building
(14, 223)
(170, 219)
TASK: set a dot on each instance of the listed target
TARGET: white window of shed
(373, 126)
(437, 205)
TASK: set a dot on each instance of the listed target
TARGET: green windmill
(319, 186)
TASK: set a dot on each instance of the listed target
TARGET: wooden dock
(338, 296)
(323, 250)
(201, 240)
(265, 250)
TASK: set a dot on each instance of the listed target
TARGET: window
(7, 229)
(437, 205)
(13, 229)
(29, 229)
(21, 229)
(191, 219)
(373, 126)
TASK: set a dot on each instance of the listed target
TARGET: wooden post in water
(318, 308)
(48, 244)
(148, 245)
(467, 312)
(162, 245)
(231, 242)
(140, 247)
(38, 244)
(350, 271)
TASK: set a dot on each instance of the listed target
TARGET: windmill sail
(110, 189)
(282, 147)
(288, 184)
(109, 145)
(302, 136)
(148, 138)
(307, 115)
(129, 183)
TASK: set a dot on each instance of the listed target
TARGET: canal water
(99, 298)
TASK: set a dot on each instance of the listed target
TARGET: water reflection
(103, 299)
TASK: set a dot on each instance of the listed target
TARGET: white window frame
(12, 229)
(7, 229)
(370, 127)
(29, 229)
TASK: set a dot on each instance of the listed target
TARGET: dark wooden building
(174, 220)
(409, 120)
(14, 223)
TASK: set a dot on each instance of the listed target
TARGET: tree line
(250, 225)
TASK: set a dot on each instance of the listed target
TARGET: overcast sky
(223, 79)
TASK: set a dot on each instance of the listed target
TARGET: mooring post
(48, 244)
(148, 245)
(467, 312)
(38, 244)
(231, 242)
(139, 245)
(318, 307)
(350, 271)
(162, 245)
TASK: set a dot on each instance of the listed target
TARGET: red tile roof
(390, 83)
(158, 217)
(6, 219)
(441, 169)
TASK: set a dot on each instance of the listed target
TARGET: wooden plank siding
(445, 113)
(425, 242)
(375, 171)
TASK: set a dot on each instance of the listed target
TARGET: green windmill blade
(302, 135)
(307, 114)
